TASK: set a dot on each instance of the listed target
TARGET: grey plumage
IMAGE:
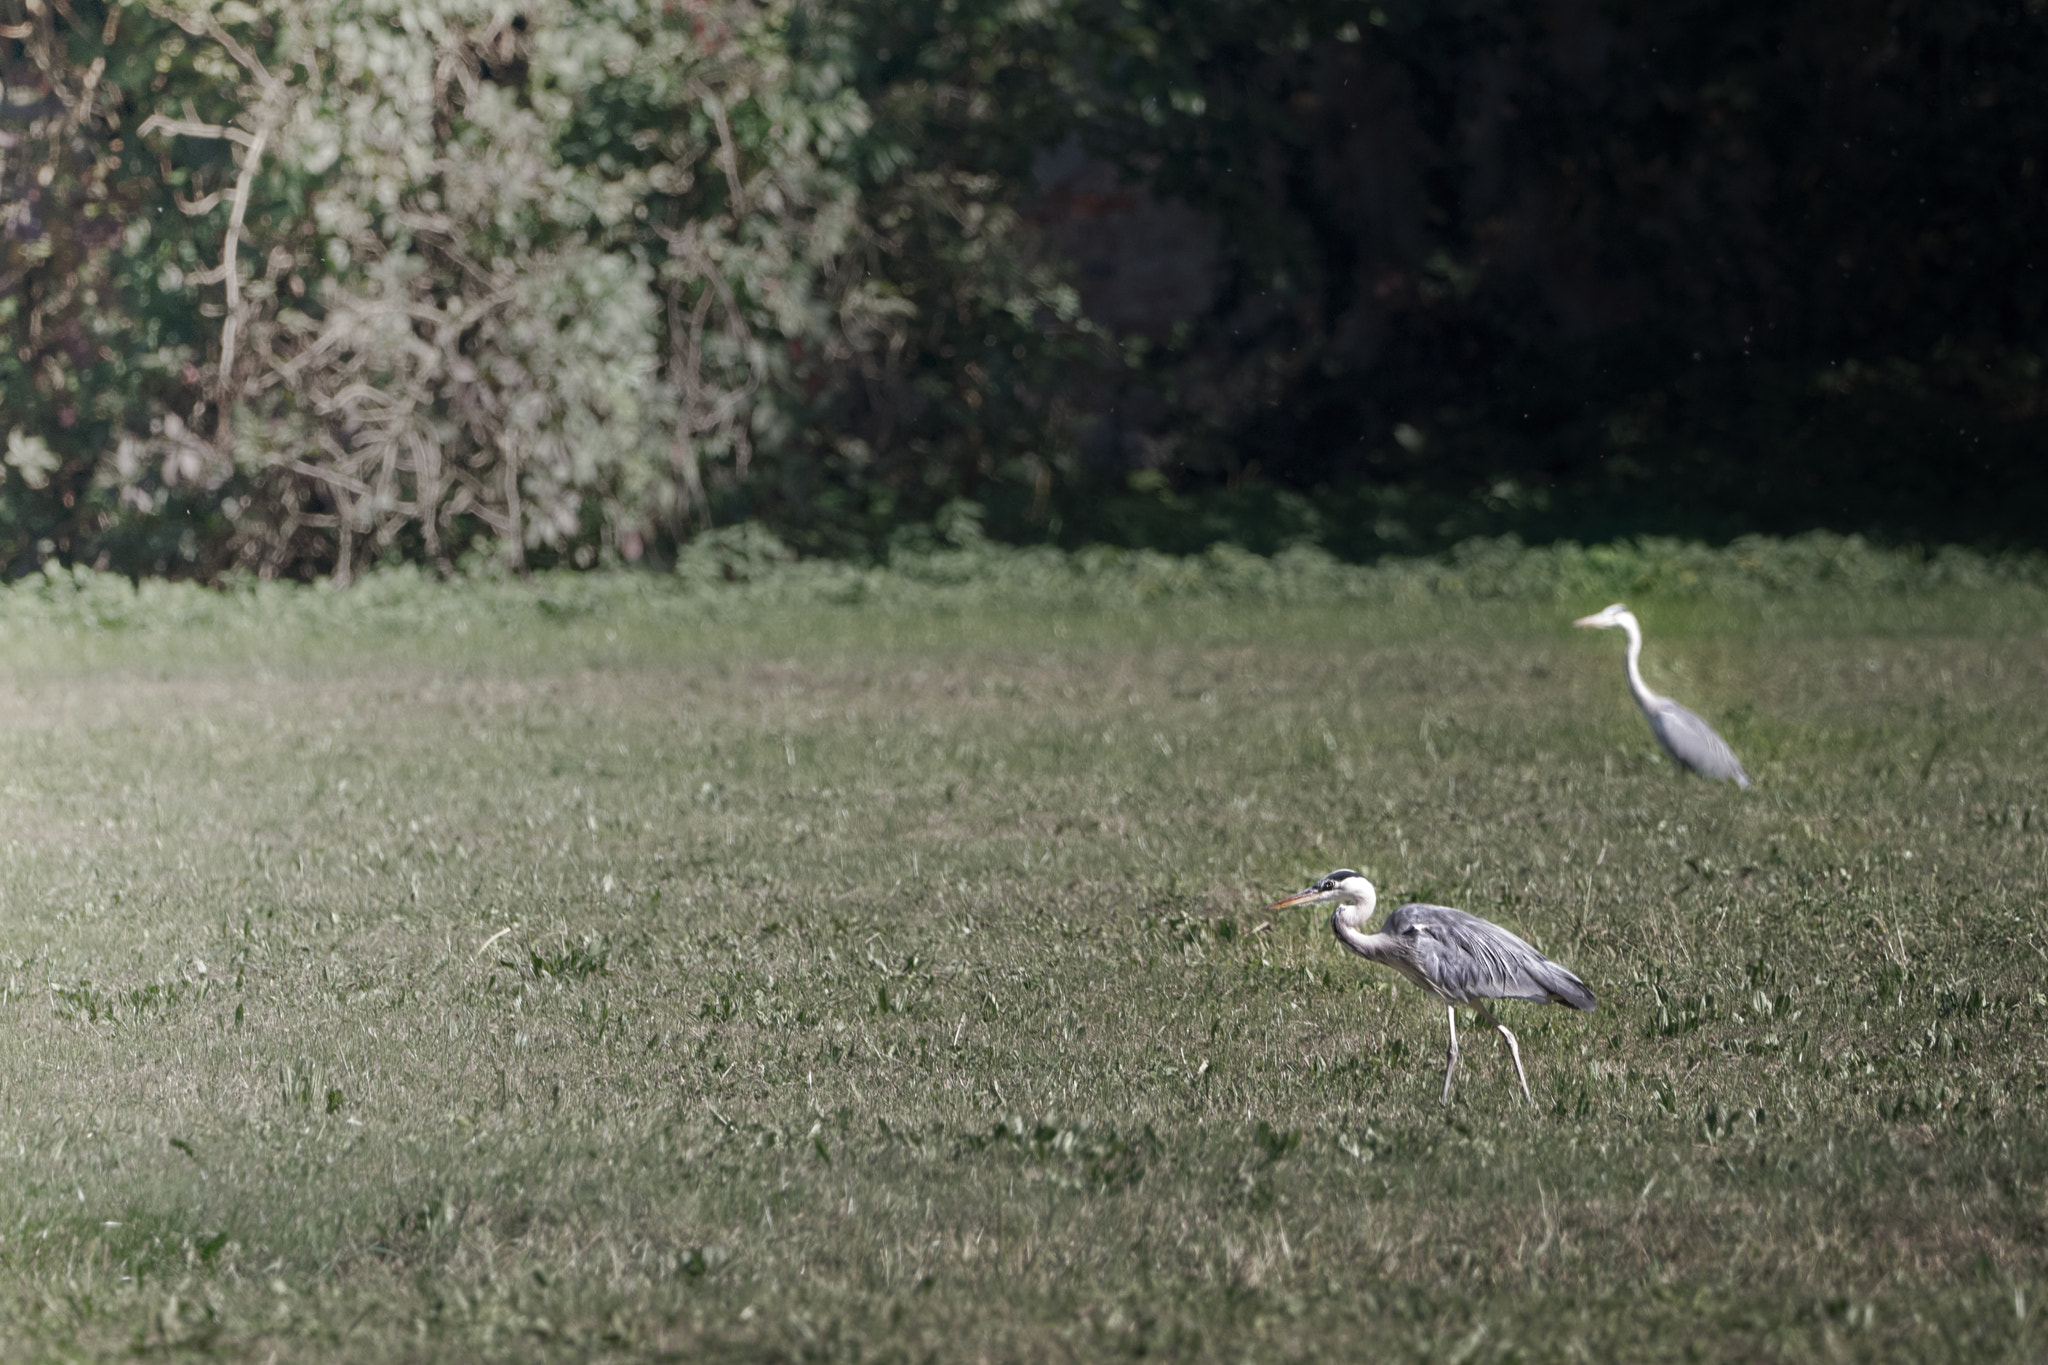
(1693, 743)
(1457, 957)
(1690, 741)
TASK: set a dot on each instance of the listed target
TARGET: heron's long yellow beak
(1593, 620)
(1298, 898)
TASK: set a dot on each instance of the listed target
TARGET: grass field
(833, 985)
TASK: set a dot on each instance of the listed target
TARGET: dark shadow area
(1580, 272)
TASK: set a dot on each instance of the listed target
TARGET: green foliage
(565, 257)
(439, 284)
(737, 573)
(94, 352)
(298, 288)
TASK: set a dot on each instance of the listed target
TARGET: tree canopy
(295, 286)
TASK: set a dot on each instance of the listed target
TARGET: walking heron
(1459, 958)
(1690, 741)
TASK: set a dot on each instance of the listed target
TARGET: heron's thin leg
(1452, 1064)
(1514, 1050)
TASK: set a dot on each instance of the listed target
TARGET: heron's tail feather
(1565, 988)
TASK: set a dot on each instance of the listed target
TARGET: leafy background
(292, 289)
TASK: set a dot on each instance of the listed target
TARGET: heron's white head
(1349, 891)
(1608, 618)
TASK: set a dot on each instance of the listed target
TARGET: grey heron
(1457, 957)
(1690, 741)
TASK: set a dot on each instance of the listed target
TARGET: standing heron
(1459, 958)
(1690, 741)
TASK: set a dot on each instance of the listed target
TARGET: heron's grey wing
(1694, 744)
(1468, 958)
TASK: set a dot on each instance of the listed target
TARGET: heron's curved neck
(1645, 698)
(1349, 920)
(1389, 950)
(1376, 947)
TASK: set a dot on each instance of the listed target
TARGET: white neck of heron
(1350, 919)
(1645, 698)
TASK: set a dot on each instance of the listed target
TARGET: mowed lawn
(847, 985)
